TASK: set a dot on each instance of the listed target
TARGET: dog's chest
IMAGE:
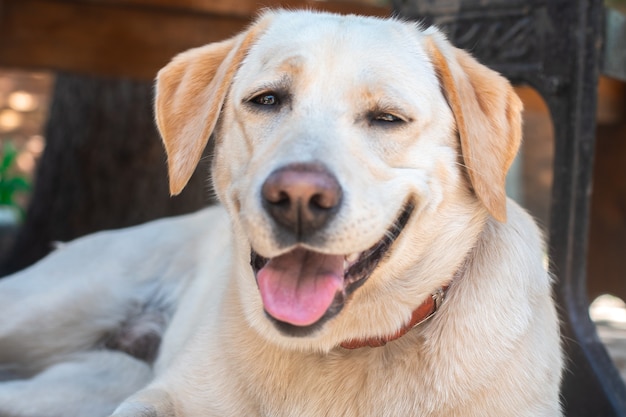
(348, 385)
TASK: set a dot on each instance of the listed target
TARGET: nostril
(324, 200)
(276, 196)
(283, 199)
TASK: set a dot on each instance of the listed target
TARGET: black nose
(301, 197)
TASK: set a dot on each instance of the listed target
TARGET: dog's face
(339, 161)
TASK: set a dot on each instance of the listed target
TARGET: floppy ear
(488, 115)
(190, 92)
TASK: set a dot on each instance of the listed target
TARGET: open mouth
(302, 289)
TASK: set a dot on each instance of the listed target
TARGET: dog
(364, 259)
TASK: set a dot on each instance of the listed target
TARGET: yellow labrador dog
(365, 260)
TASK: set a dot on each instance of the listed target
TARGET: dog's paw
(137, 410)
(147, 403)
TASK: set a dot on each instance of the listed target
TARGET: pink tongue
(299, 287)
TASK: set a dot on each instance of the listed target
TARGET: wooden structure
(126, 38)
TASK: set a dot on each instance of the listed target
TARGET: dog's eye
(387, 118)
(266, 99)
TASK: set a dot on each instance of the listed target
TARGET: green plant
(10, 182)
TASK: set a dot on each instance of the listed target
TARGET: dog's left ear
(190, 92)
(488, 115)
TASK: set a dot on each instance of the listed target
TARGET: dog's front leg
(147, 403)
(86, 384)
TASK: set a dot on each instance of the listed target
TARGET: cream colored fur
(492, 350)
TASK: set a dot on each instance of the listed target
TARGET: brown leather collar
(422, 313)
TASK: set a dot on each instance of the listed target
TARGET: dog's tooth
(350, 260)
(352, 257)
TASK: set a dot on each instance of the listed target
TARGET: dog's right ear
(190, 92)
(488, 118)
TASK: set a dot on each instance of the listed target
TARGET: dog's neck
(426, 310)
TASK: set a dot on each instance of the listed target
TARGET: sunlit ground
(609, 314)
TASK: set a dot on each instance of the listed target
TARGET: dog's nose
(301, 197)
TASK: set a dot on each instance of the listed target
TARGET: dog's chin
(303, 289)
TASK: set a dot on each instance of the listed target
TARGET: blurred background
(79, 151)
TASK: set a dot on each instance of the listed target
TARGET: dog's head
(350, 153)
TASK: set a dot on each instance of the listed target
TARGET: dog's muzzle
(302, 289)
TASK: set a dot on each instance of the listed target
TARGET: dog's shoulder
(515, 242)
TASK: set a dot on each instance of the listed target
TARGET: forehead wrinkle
(278, 82)
(291, 65)
(384, 94)
(282, 73)
(280, 59)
